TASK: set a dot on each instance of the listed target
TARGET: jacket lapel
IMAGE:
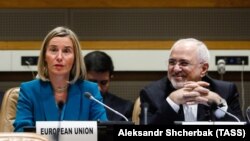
(73, 104)
(49, 105)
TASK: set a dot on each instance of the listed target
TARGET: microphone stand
(229, 114)
(214, 106)
(60, 107)
(89, 96)
(145, 111)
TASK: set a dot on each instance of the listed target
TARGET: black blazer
(123, 106)
(160, 112)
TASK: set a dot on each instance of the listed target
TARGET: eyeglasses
(181, 63)
(101, 82)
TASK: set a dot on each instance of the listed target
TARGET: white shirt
(190, 112)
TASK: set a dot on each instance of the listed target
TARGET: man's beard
(177, 85)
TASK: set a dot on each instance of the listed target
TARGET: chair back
(8, 109)
(248, 114)
(136, 111)
(7, 136)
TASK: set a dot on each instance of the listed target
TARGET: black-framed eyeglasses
(102, 82)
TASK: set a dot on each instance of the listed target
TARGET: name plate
(68, 130)
(210, 123)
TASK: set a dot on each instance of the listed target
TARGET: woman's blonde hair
(78, 70)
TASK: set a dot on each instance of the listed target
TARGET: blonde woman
(58, 92)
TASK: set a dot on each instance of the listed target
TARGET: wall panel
(121, 3)
(128, 28)
(29, 24)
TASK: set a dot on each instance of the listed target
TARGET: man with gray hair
(188, 93)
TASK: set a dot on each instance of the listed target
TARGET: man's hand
(194, 93)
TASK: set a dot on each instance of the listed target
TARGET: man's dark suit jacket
(123, 106)
(160, 112)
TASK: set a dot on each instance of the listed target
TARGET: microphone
(145, 111)
(89, 96)
(221, 67)
(243, 89)
(214, 106)
(60, 105)
(29, 67)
